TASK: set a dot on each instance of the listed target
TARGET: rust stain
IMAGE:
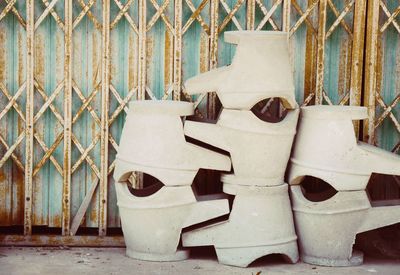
(21, 61)
(149, 55)
(342, 67)
(132, 62)
(2, 54)
(18, 204)
(168, 60)
(204, 62)
(39, 58)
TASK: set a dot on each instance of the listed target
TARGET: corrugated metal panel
(90, 58)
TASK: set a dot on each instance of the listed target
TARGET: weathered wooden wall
(68, 68)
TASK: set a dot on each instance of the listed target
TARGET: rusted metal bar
(83, 207)
(30, 45)
(268, 16)
(357, 56)
(142, 50)
(304, 16)
(320, 51)
(178, 51)
(57, 240)
(265, 12)
(105, 92)
(250, 14)
(211, 97)
(370, 68)
(66, 201)
(286, 16)
(231, 15)
(340, 17)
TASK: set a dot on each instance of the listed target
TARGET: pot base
(179, 255)
(356, 259)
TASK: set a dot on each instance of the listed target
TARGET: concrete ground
(64, 261)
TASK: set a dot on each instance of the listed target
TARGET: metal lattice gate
(68, 68)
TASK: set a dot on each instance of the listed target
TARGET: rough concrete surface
(64, 261)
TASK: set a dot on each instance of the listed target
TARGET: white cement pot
(153, 142)
(152, 225)
(259, 150)
(260, 69)
(326, 148)
(260, 223)
(327, 229)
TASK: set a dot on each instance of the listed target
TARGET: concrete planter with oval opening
(260, 223)
(153, 142)
(152, 224)
(326, 148)
(327, 229)
(259, 150)
(260, 69)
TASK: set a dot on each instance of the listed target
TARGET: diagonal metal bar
(388, 14)
(17, 15)
(10, 150)
(124, 12)
(391, 19)
(48, 155)
(7, 9)
(86, 11)
(388, 111)
(339, 19)
(87, 157)
(85, 153)
(196, 15)
(45, 13)
(158, 14)
(53, 13)
(86, 102)
(303, 17)
(48, 102)
(308, 22)
(12, 100)
(13, 156)
(268, 16)
(231, 15)
(41, 91)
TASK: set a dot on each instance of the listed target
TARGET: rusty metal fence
(68, 68)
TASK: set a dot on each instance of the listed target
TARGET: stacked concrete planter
(326, 148)
(153, 142)
(261, 221)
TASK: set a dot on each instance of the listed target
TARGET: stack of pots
(261, 221)
(153, 143)
(326, 148)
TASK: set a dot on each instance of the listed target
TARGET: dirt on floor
(65, 260)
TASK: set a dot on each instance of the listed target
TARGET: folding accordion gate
(68, 69)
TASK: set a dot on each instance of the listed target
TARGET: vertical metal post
(105, 87)
(213, 62)
(370, 68)
(321, 52)
(142, 50)
(30, 44)
(357, 56)
(286, 16)
(66, 203)
(250, 14)
(178, 50)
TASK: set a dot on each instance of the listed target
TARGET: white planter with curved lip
(327, 229)
(260, 223)
(259, 150)
(153, 142)
(326, 147)
(260, 69)
(152, 225)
